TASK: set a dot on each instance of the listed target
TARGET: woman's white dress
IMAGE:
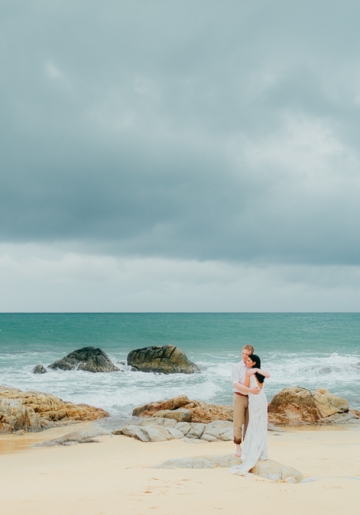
(256, 441)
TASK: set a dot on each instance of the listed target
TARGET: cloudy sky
(199, 155)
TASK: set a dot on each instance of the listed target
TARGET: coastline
(114, 476)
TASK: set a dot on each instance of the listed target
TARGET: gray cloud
(197, 130)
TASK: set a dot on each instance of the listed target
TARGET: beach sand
(114, 477)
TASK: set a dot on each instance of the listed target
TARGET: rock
(184, 427)
(218, 430)
(296, 406)
(39, 369)
(180, 415)
(34, 411)
(200, 411)
(175, 433)
(159, 429)
(168, 359)
(268, 469)
(149, 410)
(134, 432)
(166, 422)
(88, 359)
(275, 471)
(74, 438)
(201, 462)
(196, 431)
(149, 433)
(329, 404)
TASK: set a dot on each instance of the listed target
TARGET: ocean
(311, 350)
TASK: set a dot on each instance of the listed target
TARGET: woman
(255, 443)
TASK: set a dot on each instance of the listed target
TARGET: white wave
(120, 392)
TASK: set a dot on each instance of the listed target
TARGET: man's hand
(255, 390)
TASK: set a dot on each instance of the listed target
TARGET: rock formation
(39, 369)
(296, 406)
(181, 408)
(34, 411)
(164, 360)
(87, 358)
(161, 429)
(293, 406)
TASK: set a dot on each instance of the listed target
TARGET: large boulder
(34, 411)
(199, 411)
(89, 359)
(296, 406)
(168, 359)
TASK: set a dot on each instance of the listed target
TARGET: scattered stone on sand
(296, 406)
(89, 359)
(200, 411)
(268, 469)
(167, 359)
(275, 471)
(160, 429)
(34, 411)
(74, 438)
(39, 369)
(201, 462)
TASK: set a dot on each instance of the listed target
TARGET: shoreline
(23, 441)
(115, 476)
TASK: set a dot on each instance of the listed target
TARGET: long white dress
(256, 441)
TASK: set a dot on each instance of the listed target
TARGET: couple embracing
(250, 411)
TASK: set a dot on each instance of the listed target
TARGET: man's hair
(250, 348)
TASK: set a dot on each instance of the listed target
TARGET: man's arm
(244, 389)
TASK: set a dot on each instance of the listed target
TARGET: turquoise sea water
(306, 349)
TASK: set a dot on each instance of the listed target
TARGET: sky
(198, 155)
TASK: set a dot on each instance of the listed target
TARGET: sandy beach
(114, 476)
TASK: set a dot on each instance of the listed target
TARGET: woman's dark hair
(257, 364)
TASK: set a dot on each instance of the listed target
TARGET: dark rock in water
(168, 359)
(39, 369)
(87, 358)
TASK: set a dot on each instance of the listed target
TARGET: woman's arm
(262, 372)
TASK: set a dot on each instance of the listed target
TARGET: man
(241, 392)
